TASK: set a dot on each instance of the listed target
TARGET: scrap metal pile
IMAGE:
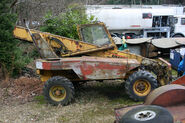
(149, 47)
(165, 104)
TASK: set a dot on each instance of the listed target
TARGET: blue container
(175, 58)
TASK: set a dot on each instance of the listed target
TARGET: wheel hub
(145, 115)
(142, 87)
(57, 93)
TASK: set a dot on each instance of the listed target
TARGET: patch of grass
(110, 95)
(94, 103)
(40, 99)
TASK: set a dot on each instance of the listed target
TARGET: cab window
(183, 21)
(175, 20)
(95, 34)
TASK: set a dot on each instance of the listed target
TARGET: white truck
(141, 21)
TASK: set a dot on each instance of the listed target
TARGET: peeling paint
(93, 68)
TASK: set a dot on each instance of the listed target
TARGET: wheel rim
(142, 87)
(145, 115)
(57, 93)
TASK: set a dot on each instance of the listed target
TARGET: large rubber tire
(140, 84)
(58, 90)
(147, 114)
(178, 35)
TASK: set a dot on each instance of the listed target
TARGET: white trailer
(139, 21)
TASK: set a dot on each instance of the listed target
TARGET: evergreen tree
(11, 58)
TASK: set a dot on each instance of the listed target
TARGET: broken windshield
(95, 34)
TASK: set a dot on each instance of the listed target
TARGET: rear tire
(178, 35)
(140, 84)
(58, 90)
(147, 114)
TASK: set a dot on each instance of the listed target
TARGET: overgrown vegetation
(12, 59)
(65, 24)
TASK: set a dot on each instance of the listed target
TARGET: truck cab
(179, 26)
(166, 26)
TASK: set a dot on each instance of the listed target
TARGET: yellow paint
(162, 82)
(45, 75)
(38, 72)
(75, 46)
(142, 87)
(57, 93)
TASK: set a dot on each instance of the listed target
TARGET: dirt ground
(22, 102)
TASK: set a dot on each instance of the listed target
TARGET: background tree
(11, 59)
(65, 24)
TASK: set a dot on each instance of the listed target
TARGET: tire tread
(58, 80)
(131, 81)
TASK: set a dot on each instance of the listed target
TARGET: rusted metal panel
(94, 68)
(172, 97)
(167, 95)
(180, 81)
(178, 112)
(44, 48)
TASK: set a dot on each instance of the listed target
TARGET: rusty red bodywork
(179, 81)
(172, 97)
(167, 95)
(92, 68)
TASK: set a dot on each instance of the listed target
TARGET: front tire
(140, 84)
(147, 114)
(58, 90)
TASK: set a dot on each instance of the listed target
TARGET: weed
(40, 99)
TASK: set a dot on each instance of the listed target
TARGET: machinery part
(147, 114)
(45, 49)
(62, 49)
(167, 95)
(33, 39)
(161, 69)
(58, 90)
(140, 84)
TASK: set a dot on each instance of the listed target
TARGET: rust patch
(180, 81)
(93, 67)
(178, 112)
(167, 95)
(86, 69)
(117, 56)
(46, 66)
(110, 67)
(76, 42)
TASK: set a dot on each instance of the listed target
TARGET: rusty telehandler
(66, 62)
